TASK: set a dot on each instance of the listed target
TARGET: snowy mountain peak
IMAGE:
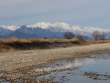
(9, 27)
(62, 26)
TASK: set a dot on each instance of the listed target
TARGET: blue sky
(78, 12)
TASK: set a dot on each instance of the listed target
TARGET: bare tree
(99, 35)
(80, 37)
(69, 35)
(103, 36)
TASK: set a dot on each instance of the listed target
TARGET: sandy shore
(12, 60)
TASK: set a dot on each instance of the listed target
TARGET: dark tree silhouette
(99, 35)
(69, 35)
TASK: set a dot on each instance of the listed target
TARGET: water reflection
(87, 70)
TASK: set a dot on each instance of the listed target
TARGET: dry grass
(26, 44)
(41, 43)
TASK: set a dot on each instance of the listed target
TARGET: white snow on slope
(58, 26)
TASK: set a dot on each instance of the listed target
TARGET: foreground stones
(21, 77)
(96, 76)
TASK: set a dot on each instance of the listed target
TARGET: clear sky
(79, 12)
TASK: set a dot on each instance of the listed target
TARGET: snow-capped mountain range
(46, 29)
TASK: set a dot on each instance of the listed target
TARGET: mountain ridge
(47, 30)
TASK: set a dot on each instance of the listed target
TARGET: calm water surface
(95, 69)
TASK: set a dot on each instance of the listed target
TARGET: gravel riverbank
(16, 59)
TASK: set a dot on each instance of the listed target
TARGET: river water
(94, 69)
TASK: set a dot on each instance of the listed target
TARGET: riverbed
(89, 63)
(92, 69)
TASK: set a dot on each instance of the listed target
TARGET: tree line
(97, 35)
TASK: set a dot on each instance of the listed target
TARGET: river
(94, 69)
